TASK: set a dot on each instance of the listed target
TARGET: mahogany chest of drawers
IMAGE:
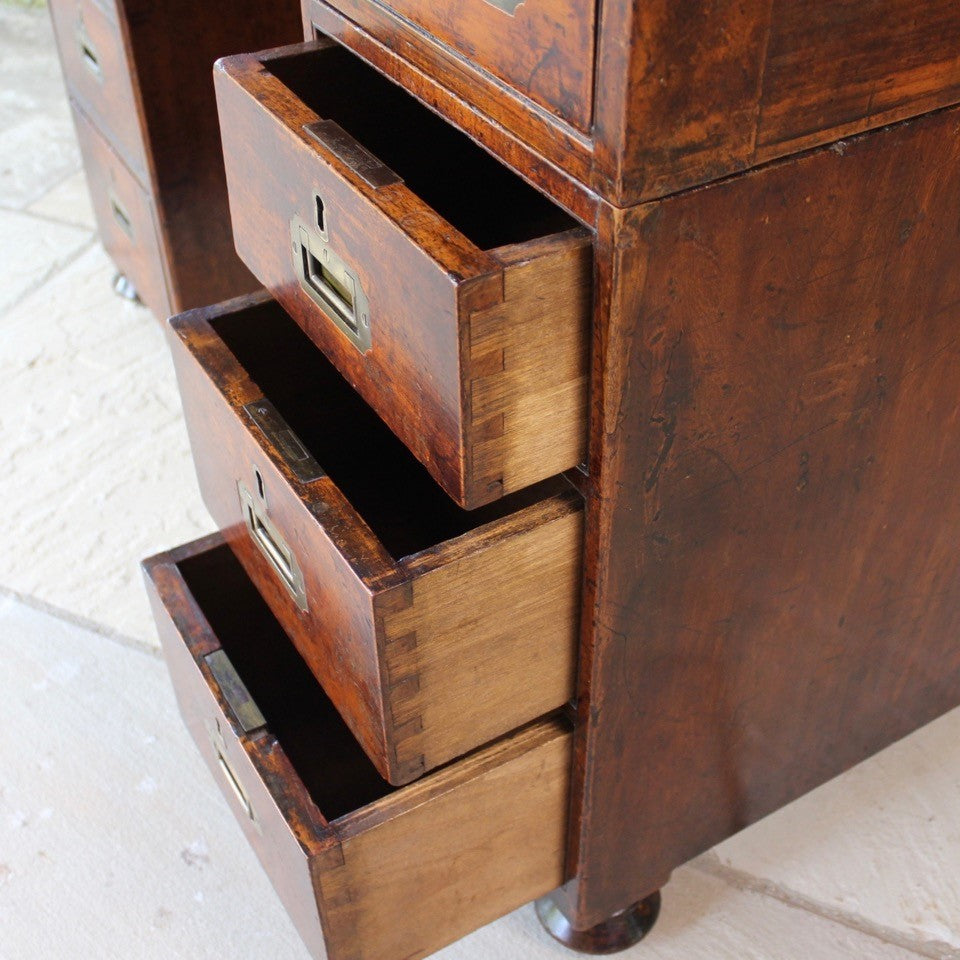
(584, 473)
(138, 78)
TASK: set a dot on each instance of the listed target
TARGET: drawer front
(126, 217)
(543, 49)
(473, 349)
(366, 871)
(433, 629)
(99, 76)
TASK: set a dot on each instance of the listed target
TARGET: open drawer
(452, 295)
(367, 872)
(433, 629)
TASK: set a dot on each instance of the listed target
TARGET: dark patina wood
(365, 871)
(141, 72)
(690, 92)
(771, 560)
(768, 569)
(543, 49)
(126, 217)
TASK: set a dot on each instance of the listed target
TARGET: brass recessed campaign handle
(330, 283)
(88, 51)
(120, 215)
(234, 784)
(234, 691)
(273, 546)
(245, 712)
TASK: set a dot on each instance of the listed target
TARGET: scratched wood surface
(706, 89)
(774, 527)
(542, 48)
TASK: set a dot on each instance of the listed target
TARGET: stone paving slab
(881, 843)
(115, 840)
(98, 468)
(67, 202)
(38, 147)
(32, 250)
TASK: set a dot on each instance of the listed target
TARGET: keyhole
(320, 220)
(260, 490)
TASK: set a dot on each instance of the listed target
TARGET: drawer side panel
(439, 869)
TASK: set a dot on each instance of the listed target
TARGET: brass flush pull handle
(507, 6)
(246, 713)
(88, 51)
(272, 545)
(330, 283)
(353, 154)
(296, 456)
(234, 784)
(120, 215)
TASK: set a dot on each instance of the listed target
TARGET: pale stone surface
(881, 843)
(68, 202)
(114, 839)
(37, 143)
(98, 469)
(31, 250)
(702, 919)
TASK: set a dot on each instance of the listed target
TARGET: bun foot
(614, 934)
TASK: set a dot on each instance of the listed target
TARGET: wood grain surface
(689, 92)
(94, 49)
(542, 48)
(773, 530)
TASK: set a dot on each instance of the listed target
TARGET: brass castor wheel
(122, 287)
(614, 934)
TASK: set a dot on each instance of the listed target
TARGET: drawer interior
(338, 777)
(479, 196)
(385, 483)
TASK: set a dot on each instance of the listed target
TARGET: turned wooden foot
(614, 934)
